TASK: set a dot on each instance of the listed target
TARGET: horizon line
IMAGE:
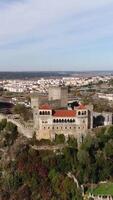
(35, 71)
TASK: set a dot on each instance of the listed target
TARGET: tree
(72, 142)
(109, 149)
(24, 112)
(59, 139)
(10, 133)
(10, 127)
(3, 124)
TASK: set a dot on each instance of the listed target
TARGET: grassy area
(103, 189)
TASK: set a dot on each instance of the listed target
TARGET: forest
(29, 174)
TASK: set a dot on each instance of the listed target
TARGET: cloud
(20, 19)
(50, 25)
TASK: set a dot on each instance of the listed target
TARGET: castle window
(108, 119)
(70, 127)
(65, 127)
(84, 112)
(79, 113)
(46, 113)
(53, 127)
(57, 127)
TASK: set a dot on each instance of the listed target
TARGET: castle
(54, 114)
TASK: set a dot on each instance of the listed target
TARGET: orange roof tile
(64, 113)
(45, 107)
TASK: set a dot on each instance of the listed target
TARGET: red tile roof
(64, 113)
(45, 107)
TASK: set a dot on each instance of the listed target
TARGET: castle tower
(35, 109)
(90, 116)
(58, 93)
(64, 96)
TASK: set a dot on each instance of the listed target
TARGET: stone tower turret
(90, 116)
(64, 96)
(35, 109)
(59, 93)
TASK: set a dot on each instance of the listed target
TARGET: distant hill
(46, 74)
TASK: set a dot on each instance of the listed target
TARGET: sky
(42, 35)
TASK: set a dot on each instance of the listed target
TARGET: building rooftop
(45, 107)
(64, 113)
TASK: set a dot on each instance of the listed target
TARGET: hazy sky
(56, 35)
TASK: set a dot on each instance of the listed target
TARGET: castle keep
(55, 115)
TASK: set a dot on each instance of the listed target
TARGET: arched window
(60, 120)
(73, 120)
(48, 113)
(57, 121)
(84, 112)
(54, 120)
(65, 120)
(43, 113)
(40, 113)
(79, 113)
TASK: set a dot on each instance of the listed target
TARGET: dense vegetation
(105, 188)
(99, 105)
(31, 75)
(30, 174)
(8, 133)
(25, 113)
